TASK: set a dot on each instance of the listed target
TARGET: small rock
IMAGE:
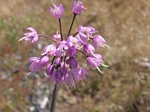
(72, 100)
(139, 36)
(4, 76)
(44, 102)
(32, 108)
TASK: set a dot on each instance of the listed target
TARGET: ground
(123, 87)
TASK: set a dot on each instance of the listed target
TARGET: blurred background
(123, 87)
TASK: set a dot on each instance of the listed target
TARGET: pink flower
(50, 50)
(57, 11)
(30, 36)
(85, 32)
(49, 69)
(63, 67)
(57, 76)
(74, 75)
(44, 60)
(71, 51)
(62, 48)
(35, 65)
(77, 7)
(72, 62)
(88, 49)
(94, 61)
(57, 61)
(80, 42)
(33, 59)
(73, 41)
(80, 73)
(68, 79)
(98, 41)
(57, 37)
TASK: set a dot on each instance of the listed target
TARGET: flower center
(56, 11)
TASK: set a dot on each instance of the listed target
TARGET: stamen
(104, 65)
(106, 46)
(20, 39)
(74, 85)
(52, 2)
(99, 70)
(83, 7)
(83, 84)
(29, 74)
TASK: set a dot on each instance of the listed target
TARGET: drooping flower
(68, 79)
(50, 50)
(62, 48)
(31, 36)
(57, 11)
(57, 60)
(77, 7)
(44, 60)
(74, 75)
(33, 59)
(71, 51)
(63, 67)
(73, 41)
(98, 41)
(49, 69)
(94, 61)
(80, 73)
(85, 32)
(57, 37)
(88, 49)
(72, 62)
(80, 41)
(35, 65)
(57, 76)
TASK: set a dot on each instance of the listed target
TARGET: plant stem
(75, 34)
(53, 99)
(60, 29)
(81, 52)
(72, 24)
(41, 35)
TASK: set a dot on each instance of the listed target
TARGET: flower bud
(49, 69)
(44, 60)
(72, 62)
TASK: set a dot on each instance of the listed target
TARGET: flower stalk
(53, 102)
(41, 35)
(60, 29)
(71, 24)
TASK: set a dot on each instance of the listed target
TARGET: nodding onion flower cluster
(63, 67)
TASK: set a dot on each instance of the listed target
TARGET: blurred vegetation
(123, 87)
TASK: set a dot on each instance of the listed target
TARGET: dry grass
(125, 25)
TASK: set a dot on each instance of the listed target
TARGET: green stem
(53, 99)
